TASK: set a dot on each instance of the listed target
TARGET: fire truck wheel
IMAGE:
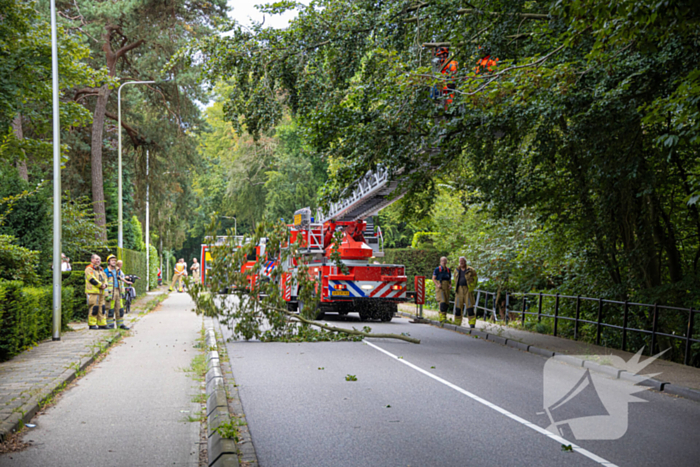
(292, 306)
(320, 314)
(388, 311)
(365, 315)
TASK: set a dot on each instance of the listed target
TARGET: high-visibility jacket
(180, 268)
(115, 286)
(94, 280)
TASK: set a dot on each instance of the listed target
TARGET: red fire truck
(367, 287)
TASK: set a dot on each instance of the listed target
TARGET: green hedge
(75, 279)
(26, 315)
(417, 262)
(135, 263)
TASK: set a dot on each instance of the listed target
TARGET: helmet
(442, 51)
(110, 257)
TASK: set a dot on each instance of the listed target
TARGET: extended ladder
(372, 193)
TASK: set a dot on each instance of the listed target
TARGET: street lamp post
(148, 228)
(57, 247)
(120, 236)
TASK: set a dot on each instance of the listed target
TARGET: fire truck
(249, 263)
(363, 285)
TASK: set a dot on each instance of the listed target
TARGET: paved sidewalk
(673, 373)
(37, 373)
(132, 408)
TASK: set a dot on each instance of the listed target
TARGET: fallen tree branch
(352, 332)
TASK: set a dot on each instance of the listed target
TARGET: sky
(244, 11)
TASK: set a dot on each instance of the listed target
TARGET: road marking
(500, 410)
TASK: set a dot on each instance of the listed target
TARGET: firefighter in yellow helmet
(180, 272)
(115, 292)
(95, 287)
(465, 283)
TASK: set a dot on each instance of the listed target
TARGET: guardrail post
(653, 329)
(556, 314)
(624, 326)
(494, 308)
(539, 309)
(506, 310)
(524, 303)
(578, 313)
(688, 337)
(600, 315)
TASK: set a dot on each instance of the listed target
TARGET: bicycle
(130, 293)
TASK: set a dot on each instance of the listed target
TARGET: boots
(458, 320)
(443, 317)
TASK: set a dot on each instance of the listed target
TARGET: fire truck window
(252, 257)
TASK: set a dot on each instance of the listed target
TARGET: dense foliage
(586, 125)
(26, 315)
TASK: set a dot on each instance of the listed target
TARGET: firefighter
(465, 283)
(180, 272)
(442, 277)
(448, 68)
(115, 293)
(95, 286)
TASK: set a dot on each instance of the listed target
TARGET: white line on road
(500, 410)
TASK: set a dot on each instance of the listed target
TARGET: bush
(75, 280)
(17, 263)
(417, 262)
(135, 263)
(26, 315)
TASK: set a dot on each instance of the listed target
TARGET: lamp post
(57, 247)
(148, 229)
(120, 236)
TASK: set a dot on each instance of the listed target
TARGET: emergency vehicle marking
(391, 289)
(351, 288)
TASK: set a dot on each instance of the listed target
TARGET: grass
(197, 371)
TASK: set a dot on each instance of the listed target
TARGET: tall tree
(133, 40)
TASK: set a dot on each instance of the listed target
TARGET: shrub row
(417, 262)
(26, 315)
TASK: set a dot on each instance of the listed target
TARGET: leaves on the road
(351, 378)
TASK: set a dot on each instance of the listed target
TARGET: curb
(13, 423)
(221, 451)
(660, 386)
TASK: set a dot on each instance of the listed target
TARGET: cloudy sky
(244, 11)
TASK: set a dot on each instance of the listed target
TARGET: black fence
(623, 325)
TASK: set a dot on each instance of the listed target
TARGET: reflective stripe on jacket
(111, 275)
(94, 275)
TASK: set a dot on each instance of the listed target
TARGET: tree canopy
(588, 119)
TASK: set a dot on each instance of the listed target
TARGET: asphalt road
(131, 408)
(453, 400)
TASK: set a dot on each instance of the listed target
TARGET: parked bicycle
(130, 293)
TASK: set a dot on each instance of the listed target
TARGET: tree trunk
(98, 121)
(98, 195)
(19, 134)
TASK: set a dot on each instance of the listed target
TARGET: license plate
(341, 293)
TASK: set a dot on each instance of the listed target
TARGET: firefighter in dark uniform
(95, 286)
(442, 277)
(465, 283)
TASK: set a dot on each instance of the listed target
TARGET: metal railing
(520, 305)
